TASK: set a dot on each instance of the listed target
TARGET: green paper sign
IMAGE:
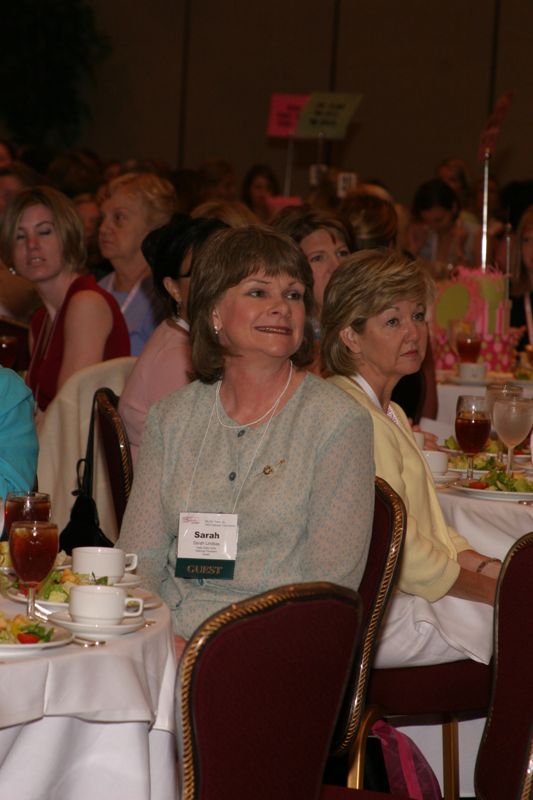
(327, 113)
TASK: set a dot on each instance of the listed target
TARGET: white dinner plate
(99, 631)
(20, 597)
(478, 473)
(447, 477)
(60, 638)
(130, 581)
(150, 600)
(492, 494)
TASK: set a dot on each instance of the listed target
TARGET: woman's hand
(430, 440)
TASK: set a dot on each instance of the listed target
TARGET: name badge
(207, 545)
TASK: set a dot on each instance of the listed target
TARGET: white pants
(418, 633)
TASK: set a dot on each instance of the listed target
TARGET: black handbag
(83, 529)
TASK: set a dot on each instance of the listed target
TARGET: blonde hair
(67, 223)
(519, 273)
(231, 212)
(365, 284)
(156, 194)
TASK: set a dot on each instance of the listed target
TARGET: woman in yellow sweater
(375, 332)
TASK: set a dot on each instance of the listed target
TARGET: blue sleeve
(18, 439)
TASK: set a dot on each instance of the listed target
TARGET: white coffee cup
(438, 461)
(472, 372)
(419, 439)
(110, 562)
(96, 604)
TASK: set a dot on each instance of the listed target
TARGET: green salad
(499, 480)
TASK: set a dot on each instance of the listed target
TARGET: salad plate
(492, 494)
(446, 477)
(60, 638)
(96, 632)
(150, 599)
(478, 473)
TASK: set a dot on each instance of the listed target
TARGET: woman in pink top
(165, 362)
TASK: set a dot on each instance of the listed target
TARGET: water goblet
(33, 549)
(501, 391)
(513, 420)
(472, 428)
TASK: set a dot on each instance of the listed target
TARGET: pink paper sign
(284, 114)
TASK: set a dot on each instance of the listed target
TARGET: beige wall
(423, 67)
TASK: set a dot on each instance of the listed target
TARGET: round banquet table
(491, 526)
(90, 723)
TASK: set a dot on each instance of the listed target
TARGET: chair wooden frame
(375, 591)
(478, 677)
(512, 600)
(203, 637)
(117, 452)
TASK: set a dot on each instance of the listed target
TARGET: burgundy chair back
(507, 743)
(116, 449)
(388, 533)
(259, 689)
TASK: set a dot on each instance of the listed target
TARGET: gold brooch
(268, 470)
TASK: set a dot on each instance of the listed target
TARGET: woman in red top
(41, 238)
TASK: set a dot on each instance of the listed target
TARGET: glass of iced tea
(468, 346)
(30, 506)
(472, 428)
(33, 549)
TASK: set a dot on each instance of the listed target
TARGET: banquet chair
(386, 544)
(63, 441)
(504, 765)
(440, 693)
(259, 688)
(116, 449)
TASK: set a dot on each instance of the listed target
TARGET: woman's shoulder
(179, 404)
(321, 394)
(12, 388)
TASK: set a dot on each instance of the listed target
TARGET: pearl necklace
(271, 410)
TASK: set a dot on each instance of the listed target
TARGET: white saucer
(446, 477)
(129, 580)
(98, 631)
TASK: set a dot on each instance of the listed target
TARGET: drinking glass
(496, 391)
(513, 419)
(33, 550)
(464, 341)
(29, 506)
(472, 428)
(468, 347)
(9, 346)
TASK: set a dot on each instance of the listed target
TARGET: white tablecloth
(91, 724)
(491, 526)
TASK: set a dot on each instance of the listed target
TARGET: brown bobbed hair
(227, 258)
(363, 286)
(67, 223)
(301, 221)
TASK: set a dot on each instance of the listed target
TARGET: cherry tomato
(28, 638)
(477, 485)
